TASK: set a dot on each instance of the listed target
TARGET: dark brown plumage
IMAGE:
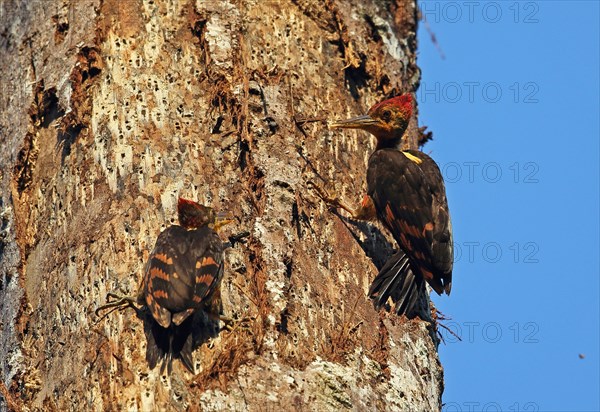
(407, 192)
(180, 295)
(183, 275)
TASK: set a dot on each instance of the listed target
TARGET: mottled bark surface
(110, 110)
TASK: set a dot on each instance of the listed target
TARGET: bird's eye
(386, 115)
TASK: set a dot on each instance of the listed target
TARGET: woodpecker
(182, 276)
(406, 192)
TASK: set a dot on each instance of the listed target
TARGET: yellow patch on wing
(412, 158)
(164, 258)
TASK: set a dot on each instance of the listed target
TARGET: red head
(194, 215)
(387, 120)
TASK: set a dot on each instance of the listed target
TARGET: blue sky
(514, 110)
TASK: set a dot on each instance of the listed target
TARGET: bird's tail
(166, 344)
(397, 280)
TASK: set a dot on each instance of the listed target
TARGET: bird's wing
(208, 266)
(405, 190)
(443, 244)
(161, 271)
(180, 273)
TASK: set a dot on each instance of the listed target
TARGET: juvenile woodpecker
(182, 276)
(406, 192)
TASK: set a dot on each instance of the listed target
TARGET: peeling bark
(110, 110)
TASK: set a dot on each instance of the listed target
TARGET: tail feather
(166, 344)
(384, 284)
(157, 341)
(166, 360)
(397, 280)
(409, 294)
(186, 354)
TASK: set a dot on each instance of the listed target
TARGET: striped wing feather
(182, 272)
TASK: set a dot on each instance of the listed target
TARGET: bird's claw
(231, 324)
(333, 201)
(115, 302)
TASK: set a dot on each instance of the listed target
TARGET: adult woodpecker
(406, 192)
(182, 276)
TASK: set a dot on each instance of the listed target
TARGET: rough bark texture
(112, 109)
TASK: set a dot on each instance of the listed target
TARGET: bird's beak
(222, 219)
(360, 122)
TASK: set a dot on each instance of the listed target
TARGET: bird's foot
(231, 324)
(331, 199)
(116, 302)
(365, 211)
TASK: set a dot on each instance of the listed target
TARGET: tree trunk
(112, 109)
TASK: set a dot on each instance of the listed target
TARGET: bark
(110, 110)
